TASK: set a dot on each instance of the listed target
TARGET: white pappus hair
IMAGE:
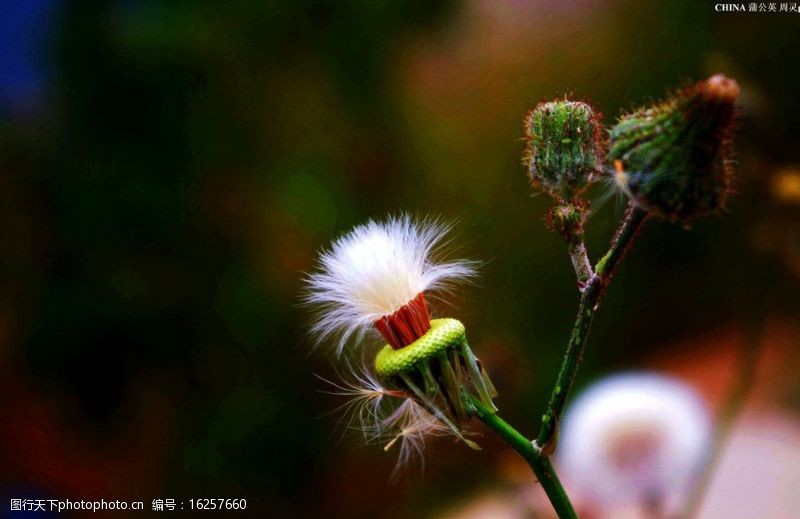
(389, 417)
(374, 270)
(410, 424)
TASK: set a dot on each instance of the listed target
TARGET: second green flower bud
(674, 159)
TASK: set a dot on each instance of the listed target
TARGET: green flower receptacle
(444, 335)
(440, 370)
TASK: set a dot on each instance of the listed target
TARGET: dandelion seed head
(634, 439)
(374, 270)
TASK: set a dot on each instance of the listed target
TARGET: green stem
(540, 464)
(630, 226)
(567, 218)
(580, 260)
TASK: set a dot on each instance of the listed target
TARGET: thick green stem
(569, 366)
(590, 301)
(540, 464)
(537, 453)
(631, 225)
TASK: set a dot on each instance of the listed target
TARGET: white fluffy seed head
(374, 270)
(634, 439)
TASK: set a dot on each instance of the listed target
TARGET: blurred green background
(168, 171)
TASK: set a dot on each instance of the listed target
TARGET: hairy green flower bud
(564, 147)
(673, 159)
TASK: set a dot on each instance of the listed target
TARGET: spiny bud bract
(568, 217)
(673, 159)
(564, 147)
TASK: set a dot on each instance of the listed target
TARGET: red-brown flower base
(407, 324)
